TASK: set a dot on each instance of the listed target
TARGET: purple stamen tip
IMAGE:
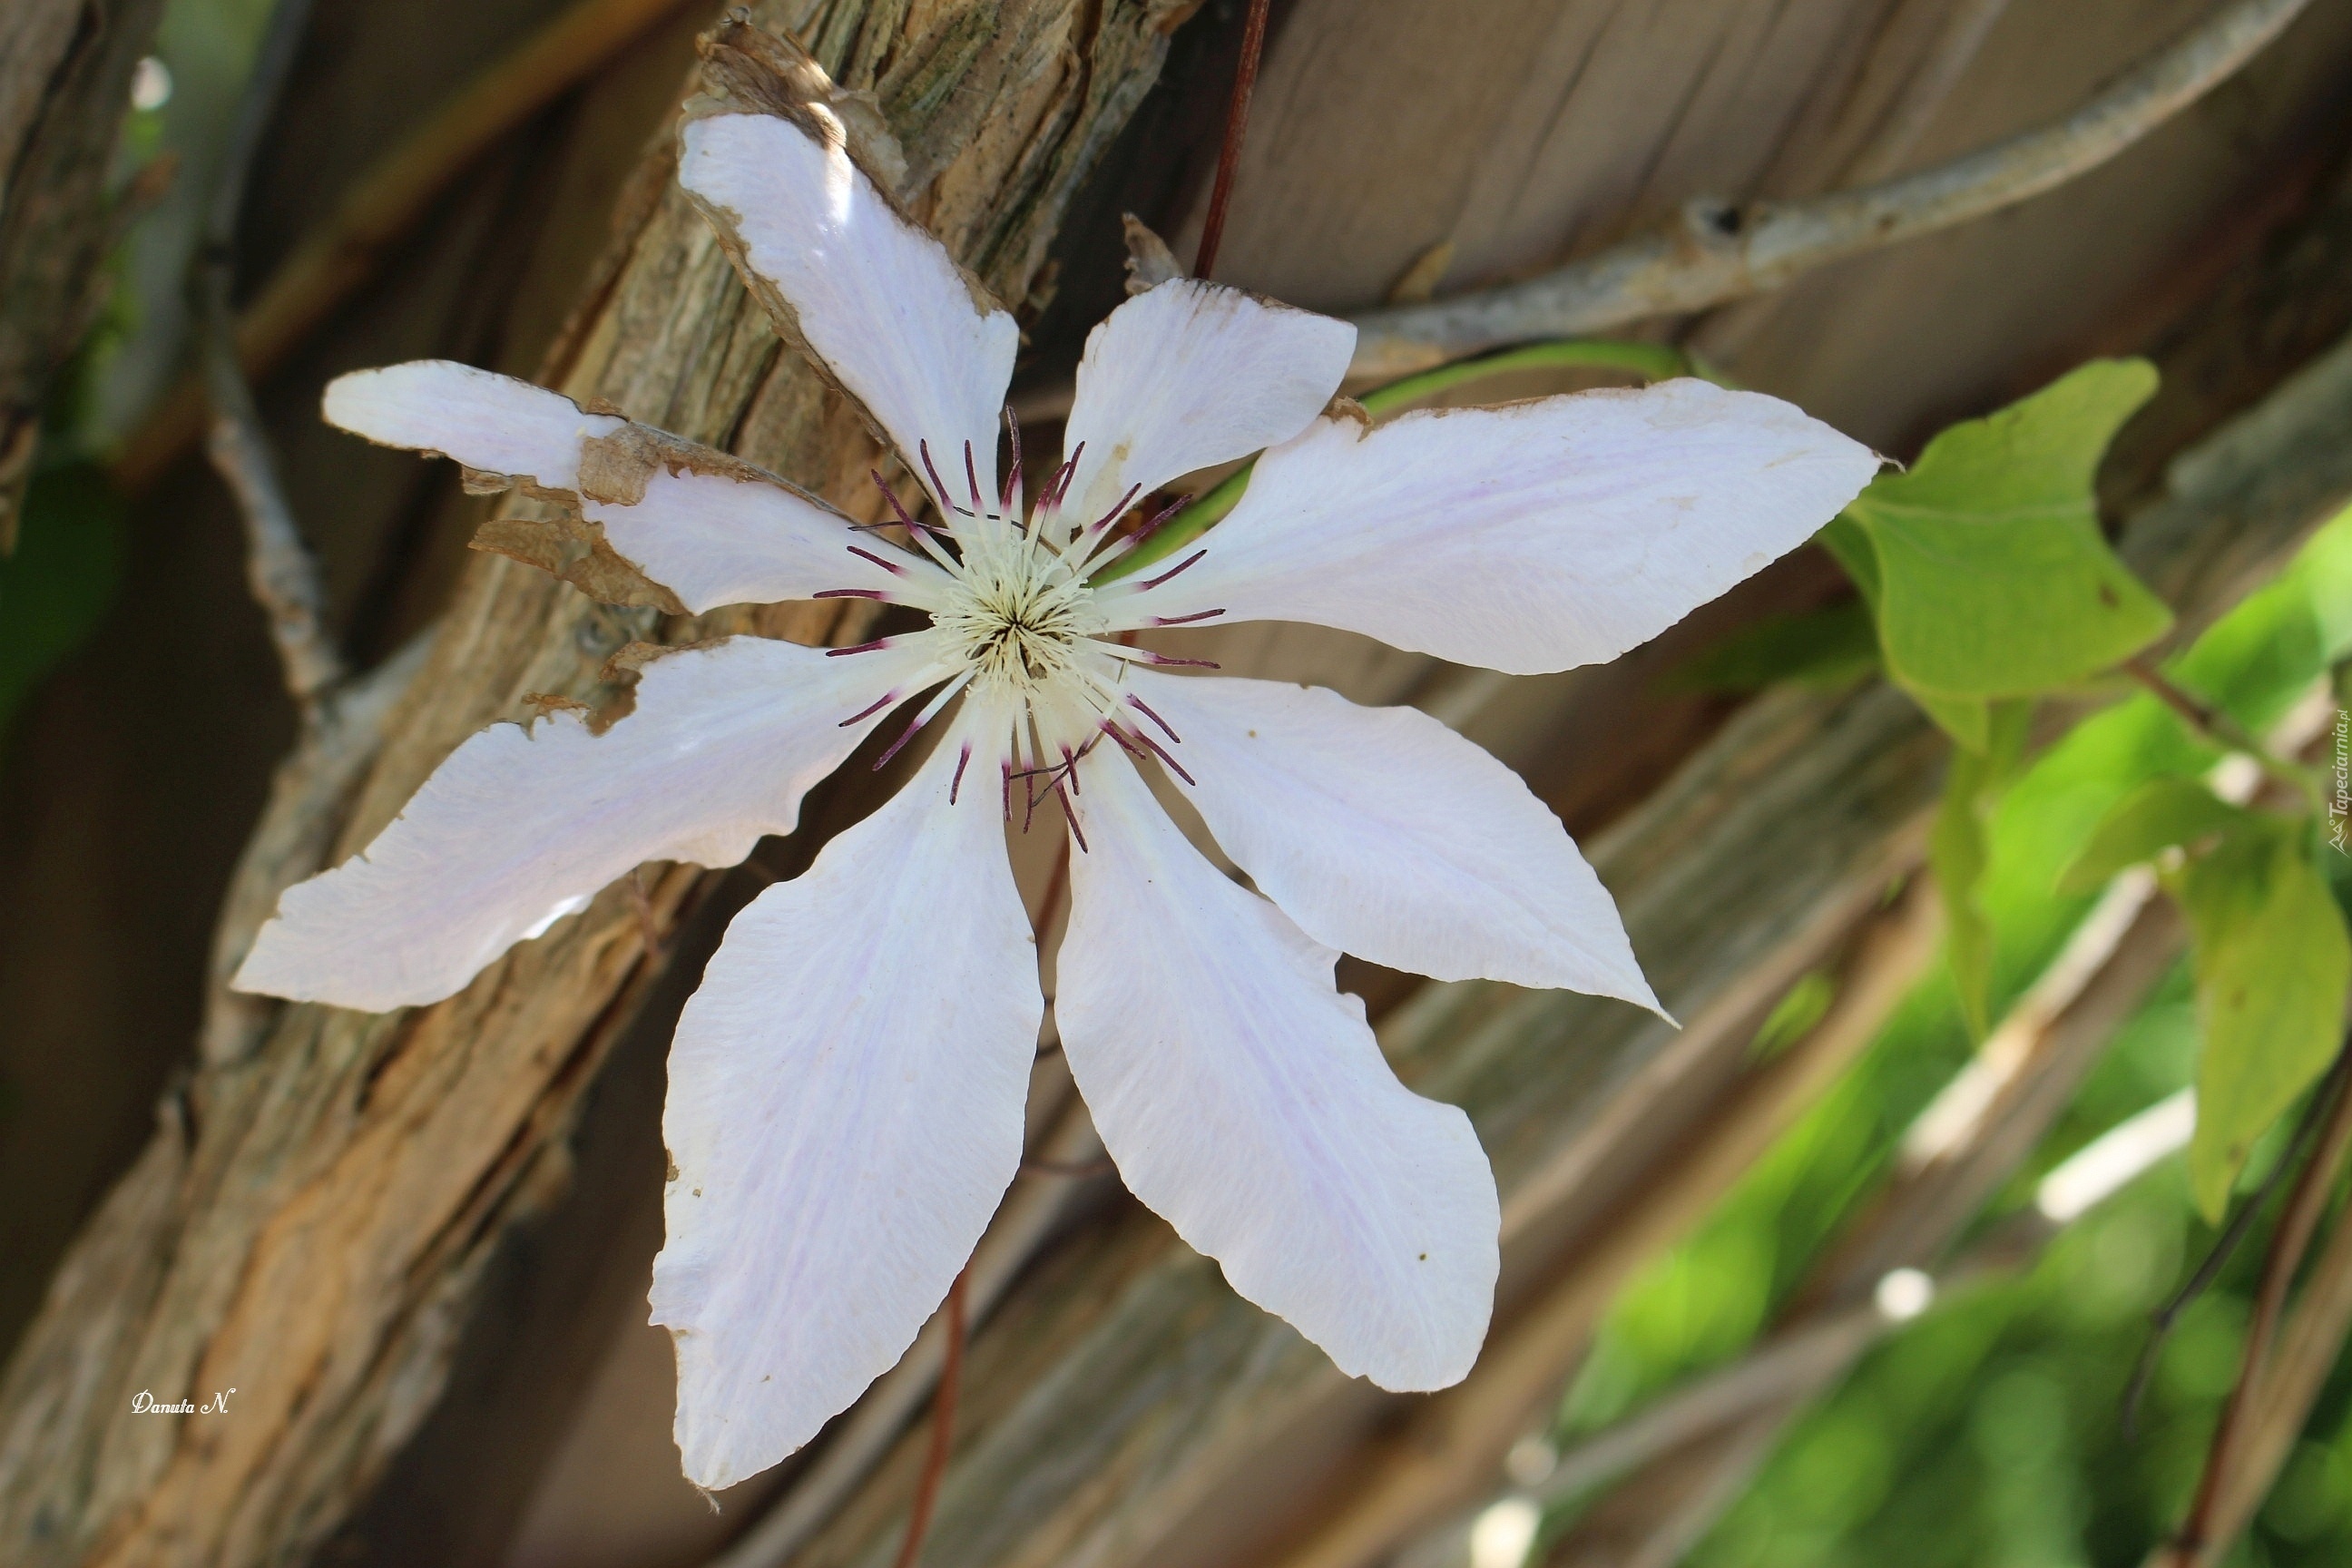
(1155, 582)
(1146, 708)
(1117, 510)
(1172, 765)
(939, 485)
(892, 567)
(1075, 831)
(888, 698)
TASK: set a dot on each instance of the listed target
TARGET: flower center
(1019, 613)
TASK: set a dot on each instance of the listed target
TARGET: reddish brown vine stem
(943, 1409)
(1229, 157)
(2194, 1545)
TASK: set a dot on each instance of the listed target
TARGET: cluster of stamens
(1017, 619)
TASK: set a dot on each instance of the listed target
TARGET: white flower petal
(714, 540)
(878, 300)
(844, 1112)
(520, 826)
(1384, 834)
(1191, 374)
(1247, 1102)
(484, 420)
(1529, 538)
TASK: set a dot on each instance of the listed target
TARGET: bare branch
(279, 566)
(1719, 253)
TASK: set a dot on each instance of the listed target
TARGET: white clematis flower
(845, 1088)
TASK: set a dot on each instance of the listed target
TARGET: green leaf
(2272, 961)
(1959, 847)
(1793, 1016)
(1824, 651)
(1967, 720)
(1992, 577)
(1850, 544)
(2156, 817)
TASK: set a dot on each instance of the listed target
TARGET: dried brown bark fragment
(312, 1218)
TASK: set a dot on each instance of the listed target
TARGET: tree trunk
(64, 88)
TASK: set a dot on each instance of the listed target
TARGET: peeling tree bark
(308, 1224)
(65, 86)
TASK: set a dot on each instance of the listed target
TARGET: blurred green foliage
(58, 583)
(1988, 1433)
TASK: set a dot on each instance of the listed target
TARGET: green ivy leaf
(1989, 575)
(1967, 720)
(2159, 814)
(2272, 963)
(1959, 847)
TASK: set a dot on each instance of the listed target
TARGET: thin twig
(2214, 725)
(278, 567)
(943, 1408)
(340, 257)
(1720, 253)
(2225, 1246)
(2194, 1543)
(1229, 156)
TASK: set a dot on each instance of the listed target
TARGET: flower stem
(1229, 156)
(943, 1409)
(1651, 362)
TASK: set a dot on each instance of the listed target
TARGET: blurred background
(1397, 148)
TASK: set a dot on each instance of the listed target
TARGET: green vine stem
(1651, 362)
